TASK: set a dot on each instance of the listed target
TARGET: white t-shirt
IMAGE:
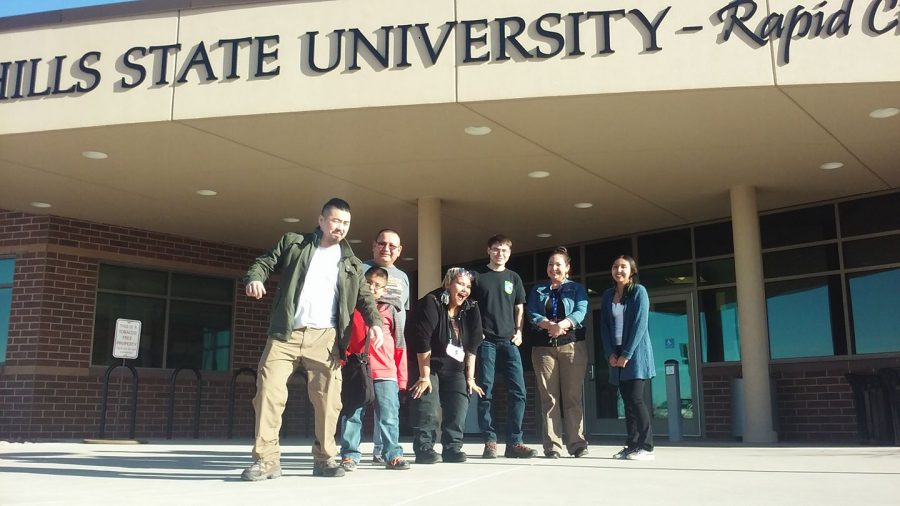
(317, 303)
(618, 313)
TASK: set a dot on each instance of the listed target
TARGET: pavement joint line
(460, 484)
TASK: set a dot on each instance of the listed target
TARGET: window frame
(3, 286)
(168, 298)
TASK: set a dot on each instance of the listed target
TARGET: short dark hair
(336, 203)
(499, 239)
(376, 272)
(386, 231)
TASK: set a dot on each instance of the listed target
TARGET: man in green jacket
(321, 283)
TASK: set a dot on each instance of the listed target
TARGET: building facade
(744, 152)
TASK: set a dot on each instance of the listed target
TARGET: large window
(186, 320)
(787, 228)
(719, 336)
(875, 310)
(831, 273)
(805, 318)
(662, 247)
(832, 270)
(7, 268)
(870, 215)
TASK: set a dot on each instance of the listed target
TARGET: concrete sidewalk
(208, 473)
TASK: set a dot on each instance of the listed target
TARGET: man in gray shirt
(386, 250)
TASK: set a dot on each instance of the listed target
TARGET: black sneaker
(377, 460)
(551, 454)
(623, 453)
(581, 452)
(519, 451)
(329, 469)
(428, 457)
(454, 456)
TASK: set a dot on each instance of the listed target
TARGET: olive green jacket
(291, 258)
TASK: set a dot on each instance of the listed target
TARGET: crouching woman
(444, 337)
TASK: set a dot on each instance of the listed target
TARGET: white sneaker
(640, 455)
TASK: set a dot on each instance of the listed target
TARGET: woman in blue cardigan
(626, 341)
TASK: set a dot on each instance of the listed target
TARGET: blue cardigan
(635, 335)
(574, 298)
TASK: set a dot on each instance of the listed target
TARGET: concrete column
(429, 230)
(751, 299)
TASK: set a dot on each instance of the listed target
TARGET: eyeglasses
(376, 286)
(387, 245)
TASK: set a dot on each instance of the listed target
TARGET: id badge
(455, 352)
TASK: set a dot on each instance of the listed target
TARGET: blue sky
(16, 7)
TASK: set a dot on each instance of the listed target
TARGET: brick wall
(50, 389)
(813, 400)
(716, 395)
(815, 404)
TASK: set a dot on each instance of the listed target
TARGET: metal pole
(673, 399)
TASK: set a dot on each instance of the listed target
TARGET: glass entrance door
(672, 337)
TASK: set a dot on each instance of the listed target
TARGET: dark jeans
(505, 357)
(448, 392)
(637, 415)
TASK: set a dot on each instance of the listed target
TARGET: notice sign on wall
(128, 338)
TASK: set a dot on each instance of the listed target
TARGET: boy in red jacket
(388, 364)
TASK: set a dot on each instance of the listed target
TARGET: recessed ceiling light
(408, 259)
(94, 155)
(886, 112)
(355, 241)
(544, 235)
(207, 193)
(41, 204)
(538, 174)
(477, 130)
(831, 165)
(290, 220)
(584, 205)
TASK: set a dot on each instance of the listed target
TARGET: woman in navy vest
(626, 340)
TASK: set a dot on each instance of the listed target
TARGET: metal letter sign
(128, 338)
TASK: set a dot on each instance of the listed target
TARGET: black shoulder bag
(358, 389)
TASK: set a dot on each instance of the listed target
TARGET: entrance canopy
(648, 113)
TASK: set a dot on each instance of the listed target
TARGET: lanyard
(453, 328)
(554, 305)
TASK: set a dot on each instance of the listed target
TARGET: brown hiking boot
(262, 470)
(519, 451)
(328, 469)
(490, 450)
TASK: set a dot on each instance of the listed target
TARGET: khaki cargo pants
(316, 351)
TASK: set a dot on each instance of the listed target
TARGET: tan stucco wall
(686, 60)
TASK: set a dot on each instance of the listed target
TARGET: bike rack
(231, 396)
(171, 420)
(134, 397)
